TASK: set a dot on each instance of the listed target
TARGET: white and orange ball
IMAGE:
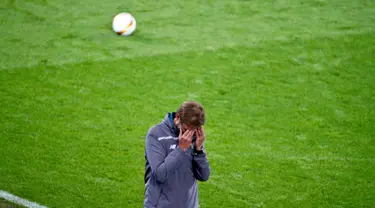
(124, 24)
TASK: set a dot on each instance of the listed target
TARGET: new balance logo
(173, 146)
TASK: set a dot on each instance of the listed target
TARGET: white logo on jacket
(168, 137)
(173, 146)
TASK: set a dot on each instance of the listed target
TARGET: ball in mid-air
(124, 24)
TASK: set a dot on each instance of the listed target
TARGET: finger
(200, 131)
(180, 133)
(191, 134)
(189, 139)
(186, 132)
(196, 131)
(187, 135)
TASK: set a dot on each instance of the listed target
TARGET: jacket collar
(169, 121)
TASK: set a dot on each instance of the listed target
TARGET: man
(176, 159)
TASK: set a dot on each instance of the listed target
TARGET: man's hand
(185, 139)
(201, 136)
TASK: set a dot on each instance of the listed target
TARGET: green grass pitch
(288, 86)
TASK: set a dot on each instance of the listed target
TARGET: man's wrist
(184, 149)
(198, 151)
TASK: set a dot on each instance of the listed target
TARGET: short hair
(192, 113)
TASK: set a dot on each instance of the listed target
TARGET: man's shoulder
(160, 132)
(157, 129)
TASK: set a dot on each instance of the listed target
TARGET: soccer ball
(124, 24)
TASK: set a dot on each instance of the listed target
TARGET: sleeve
(162, 165)
(201, 166)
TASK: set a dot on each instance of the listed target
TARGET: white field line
(17, 200)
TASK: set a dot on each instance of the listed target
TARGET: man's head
(190, 115)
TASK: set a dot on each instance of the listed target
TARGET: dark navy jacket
(170, 173)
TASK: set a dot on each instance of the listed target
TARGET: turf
(7, 204)
(288, 88)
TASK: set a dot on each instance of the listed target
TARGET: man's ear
(177, 119)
